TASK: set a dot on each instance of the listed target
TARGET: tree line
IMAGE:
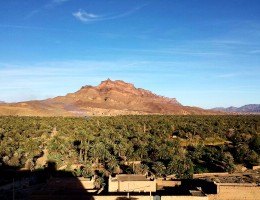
(163, 145)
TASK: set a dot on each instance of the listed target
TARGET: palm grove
(164, 145)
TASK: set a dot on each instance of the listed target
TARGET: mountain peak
(124, 88)
(119, 88)
(108, 98)
(116, 83)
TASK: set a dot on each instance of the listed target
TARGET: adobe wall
(137, 186)
(167, 183)
(123, 197)
(112, 185)
(113, 197)
(256, 167)
(151, 198)
(236, 192)
(87, 184)
(210, 174)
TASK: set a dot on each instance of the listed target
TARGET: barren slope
(108, 98)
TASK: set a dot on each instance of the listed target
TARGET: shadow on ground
(47, 183)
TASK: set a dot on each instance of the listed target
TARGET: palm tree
(112, 164)
(141, 169)
(171, 167)
(159, 168)
(142, 152)
(99, 181)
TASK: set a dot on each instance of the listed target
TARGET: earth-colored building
(131, 183)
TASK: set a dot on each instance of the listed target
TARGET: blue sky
(205, 53)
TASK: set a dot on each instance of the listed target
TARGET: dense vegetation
(165, 145)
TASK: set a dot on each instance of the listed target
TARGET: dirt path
(42, 160)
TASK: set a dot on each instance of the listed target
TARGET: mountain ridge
(108, 98)
(248, 108)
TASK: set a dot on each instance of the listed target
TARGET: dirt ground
(249, 176)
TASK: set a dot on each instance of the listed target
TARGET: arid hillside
(250, 108)
(108, 98)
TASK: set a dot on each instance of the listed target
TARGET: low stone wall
(210, 174)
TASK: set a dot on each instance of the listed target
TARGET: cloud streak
(84, 16)
(54, 3)
(87, 17)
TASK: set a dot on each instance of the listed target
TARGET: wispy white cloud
(54, 3)
(85, 16)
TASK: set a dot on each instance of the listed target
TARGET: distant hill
(250, 108)
(108, 98)
(1, 102)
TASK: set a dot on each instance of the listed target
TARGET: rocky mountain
(250, 108)
(108, 98)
